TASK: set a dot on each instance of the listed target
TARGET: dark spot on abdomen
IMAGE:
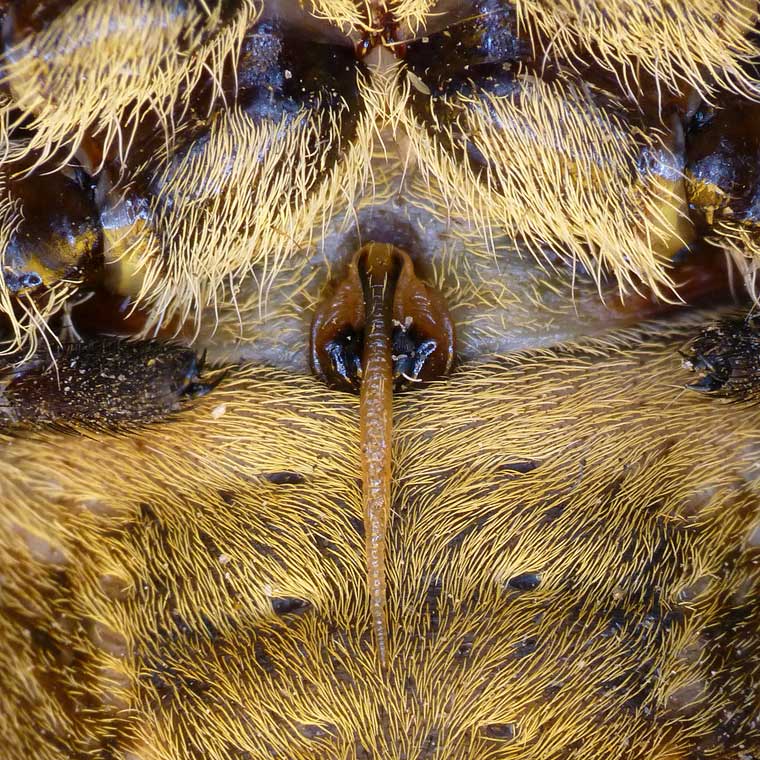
(524, 582)
(288, 605)
(285, 478)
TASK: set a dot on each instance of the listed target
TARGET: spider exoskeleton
(544, 549)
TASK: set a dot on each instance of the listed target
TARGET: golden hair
(572, 553)
(544, 187)
(699, 44)
(150, 44)
(601, 211)
(572, 564)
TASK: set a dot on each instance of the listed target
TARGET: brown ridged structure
(379, 328)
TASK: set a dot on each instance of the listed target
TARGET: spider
(546, 201)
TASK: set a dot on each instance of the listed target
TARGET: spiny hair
(741, 243)
(683, 43)
(345, 14)
(572, 568)
(413, 14)
(181, 263)
(186, 261)
(542, 185)
(27, 316)
(484, 301)
(136, 56)
(149, 43)
(700, 44)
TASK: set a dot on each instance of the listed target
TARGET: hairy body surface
(572, 562)
(571, 538)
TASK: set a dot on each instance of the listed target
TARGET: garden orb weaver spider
(573, 539)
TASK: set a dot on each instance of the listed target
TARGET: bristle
(185, 260)
(572, 547)
(348, 15)
(25, 319)
(559, 174)
(742, 245)
(572, 568)
(414, 14)
(135, 56)
(700, 44)
(179, 265)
